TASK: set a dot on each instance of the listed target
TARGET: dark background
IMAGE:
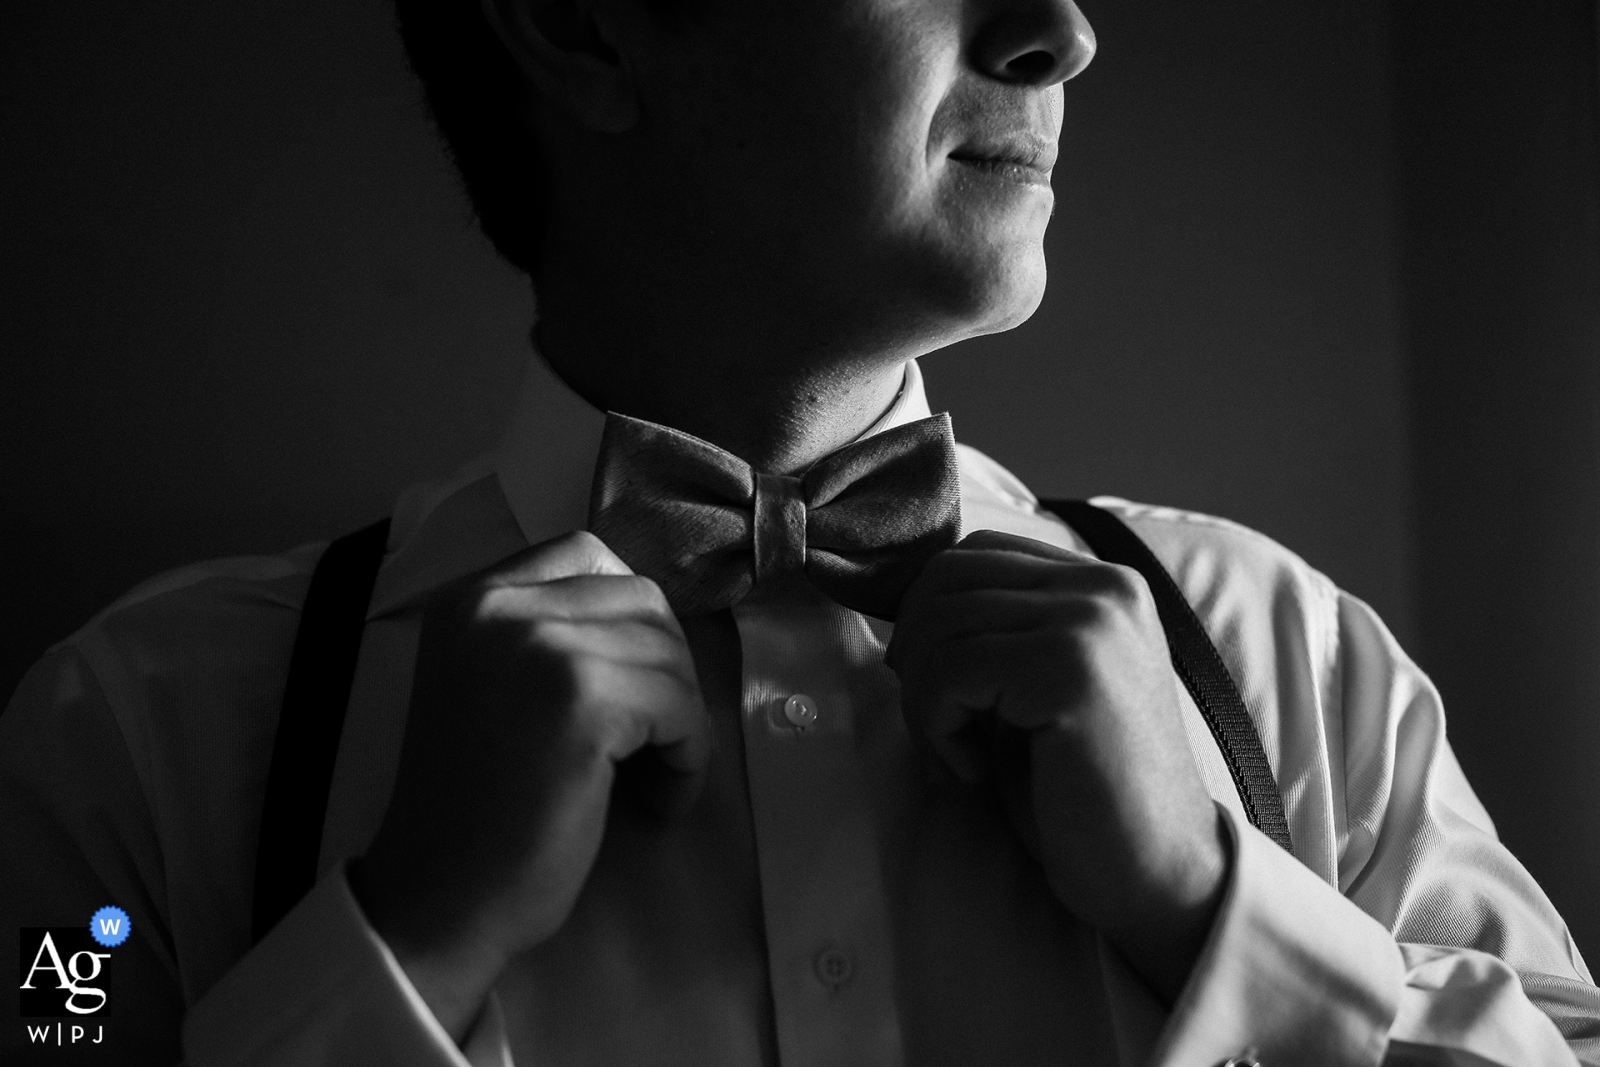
(1332, 270)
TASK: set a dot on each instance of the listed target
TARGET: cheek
(908, 58)
(817, 136)
(830, 111)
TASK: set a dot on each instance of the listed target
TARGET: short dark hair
(474, 89)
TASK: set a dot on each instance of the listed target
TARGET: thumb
(568, 556)
(667, 778)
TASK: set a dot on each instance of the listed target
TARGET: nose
(1033, 42)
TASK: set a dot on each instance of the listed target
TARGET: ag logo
(64, 972)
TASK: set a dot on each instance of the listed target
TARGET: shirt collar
(535, 486)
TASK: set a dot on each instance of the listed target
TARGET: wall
(1499, 139)
(243, 304)
(1221, 330)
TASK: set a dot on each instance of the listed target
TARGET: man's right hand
(535, 680)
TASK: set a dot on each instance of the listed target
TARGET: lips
(1022, 150)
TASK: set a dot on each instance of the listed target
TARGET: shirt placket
(828, 943)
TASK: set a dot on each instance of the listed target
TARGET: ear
(563, 53)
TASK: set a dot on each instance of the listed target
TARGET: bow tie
(709, 528)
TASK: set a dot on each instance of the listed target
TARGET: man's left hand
(1047, 672)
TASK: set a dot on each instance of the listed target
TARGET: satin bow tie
(709, 528)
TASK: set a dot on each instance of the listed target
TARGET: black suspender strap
(321, 672)
(1196, 660)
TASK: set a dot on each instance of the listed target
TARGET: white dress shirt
(827, 902)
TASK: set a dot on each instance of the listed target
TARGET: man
(617, 786)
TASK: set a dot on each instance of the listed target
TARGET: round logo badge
(110, 926)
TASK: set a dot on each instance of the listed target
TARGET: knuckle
(579, 541)
(468, 612)
(648, 595)
(988, 539)
(644, 644)
(1112, 584)
(1081, 612)
(593, 683)
(490, 604)
(1068, 639)
(1127, 585)
(547, 633)
(568, 554)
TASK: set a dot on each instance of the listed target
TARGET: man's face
(887, 160)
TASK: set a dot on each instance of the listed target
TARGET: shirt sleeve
(1437, 947)
(77, 833)
(323, 987)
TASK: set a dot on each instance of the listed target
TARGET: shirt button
(833, 968)
(801, 711)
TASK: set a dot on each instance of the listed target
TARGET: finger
(946, 615)
(667, 777)
(1027, 680)
(626, 644)
(575, 553)
(665, 761)
(683, 738)
(999, 541)
(669, 771)
(955, 733)
(957, 569)
(1074, 577)
(957, 572)
(657, 786)
(956, 724)
(1076, 598)
(680, 730)
(584, 597)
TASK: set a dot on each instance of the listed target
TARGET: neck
(777, 407)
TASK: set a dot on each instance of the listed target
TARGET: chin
(1017, 302)
(995, 291)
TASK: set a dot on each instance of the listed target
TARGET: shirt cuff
(1292, 971)
(322, 987)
